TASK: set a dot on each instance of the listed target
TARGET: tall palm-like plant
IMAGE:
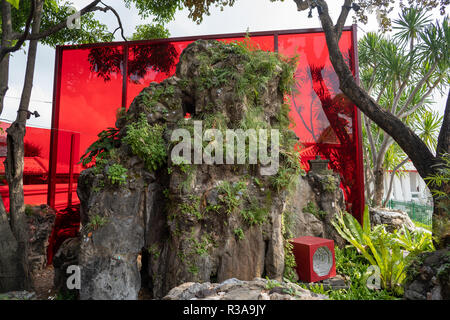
(401, 73)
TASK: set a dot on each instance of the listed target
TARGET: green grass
(422, 225)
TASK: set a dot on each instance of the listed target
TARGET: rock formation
(392, 219)
(234, 289)
(429, 276)
(193, 222)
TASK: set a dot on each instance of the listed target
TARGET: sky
(251, 15)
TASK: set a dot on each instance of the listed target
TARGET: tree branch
(63, 24)
(412, 145)
(443, 145)
(418, 87)
(391, 182)
(343, 17)
(421, 102)
(370, 138)
(4, 51)
(117, 16)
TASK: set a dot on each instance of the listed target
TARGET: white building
(408, 186)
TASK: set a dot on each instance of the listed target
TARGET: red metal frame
(357, 124)
(126, 45)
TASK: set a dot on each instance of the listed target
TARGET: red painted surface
(304, 249)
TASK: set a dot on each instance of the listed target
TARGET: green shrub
(117, 174)
(107, 141)
(255, 214)
(147, 142)
(232, 195)
(290, 265)
(388, 251)
(239, 233)
(312, 208)
(96, 222)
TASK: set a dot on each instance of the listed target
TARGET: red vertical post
(125, 77)
(71, 164)
(357, 133)
(53, 158)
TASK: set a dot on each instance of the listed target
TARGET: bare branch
(422, 101)
(443, 145)
(342, 18)
(418, 87)
(117, 16)
(391, 183)
(370, 137)
(63, 24)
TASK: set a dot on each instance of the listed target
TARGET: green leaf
(14, 3)
(366, 220)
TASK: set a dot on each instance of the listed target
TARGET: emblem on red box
(315, 258)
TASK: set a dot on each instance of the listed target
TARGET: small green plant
(312, 208)
(232, 195)
(153, 250)
(414, 242)
(28, 210)
(288, 172)
(117, 174)
(290, 265)
(147, 142)
(96, 222)
(201, 247)
(255, 215)
(193, 269)
(239, 233)
(329, 183)
(386, 250)
(107, 141)
(439, 186)
(272, 284)
(192, 207)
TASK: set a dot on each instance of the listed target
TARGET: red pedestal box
(315, 258)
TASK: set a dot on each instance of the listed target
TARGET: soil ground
(43, 283)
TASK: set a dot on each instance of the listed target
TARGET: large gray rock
(12, 275)
(234, 289)
(322, 190)
(66, 256)
(40, 220)
(428, 276)
(393, 219)
(190, 223)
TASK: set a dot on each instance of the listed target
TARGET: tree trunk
(5, 42)
(441, 213)
(14, 163)
(419, 154)
(378, 187)
(411, 144)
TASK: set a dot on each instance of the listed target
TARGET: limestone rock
(194, 223)
(11, 271)
(66, 256)
(18, 295)
(393, 219)
(40, 222)
(234, 289)
(429, 276)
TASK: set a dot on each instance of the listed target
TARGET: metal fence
(417, 212)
